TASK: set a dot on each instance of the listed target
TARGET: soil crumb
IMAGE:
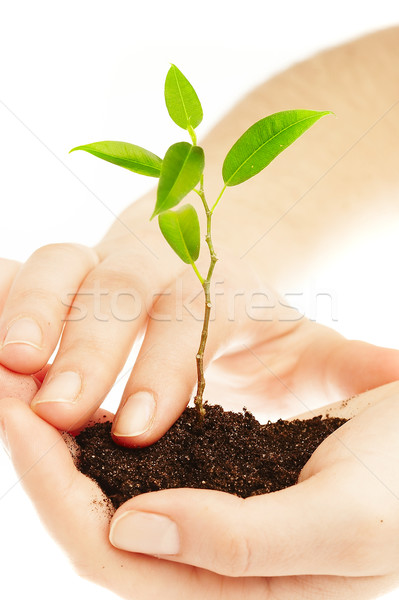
(231, 452)
(104, 506)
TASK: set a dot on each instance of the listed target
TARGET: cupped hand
(333, 535)
(260, 352)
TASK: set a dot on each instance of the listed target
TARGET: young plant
(181, 171)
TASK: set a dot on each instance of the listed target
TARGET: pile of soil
(231, 452)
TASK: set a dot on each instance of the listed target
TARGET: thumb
(44, 467)
(303, 529)
(76, 513)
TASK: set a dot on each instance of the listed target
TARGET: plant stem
(199, 402)
(193, 135)
(206, 283)
(198, 274)
(218, 198)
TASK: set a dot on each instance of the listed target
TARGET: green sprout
(181, 171)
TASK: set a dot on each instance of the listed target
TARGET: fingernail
(136, 415)
(146, 533)
(24, 331)
(64, 387)
(4, 438)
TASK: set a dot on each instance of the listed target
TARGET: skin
(317, 542)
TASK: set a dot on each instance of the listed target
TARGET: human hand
(304, 337)
(35, 303)
(333, 535)
(14, 384)
(258, 353)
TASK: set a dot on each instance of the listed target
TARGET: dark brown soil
(230, 452)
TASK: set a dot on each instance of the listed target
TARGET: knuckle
(90, 346)
(35, 296)
(235, 553)
(183, 296)
(58, 251)
(112, 278)
(132, 271)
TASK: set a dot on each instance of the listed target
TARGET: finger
(23, 387)
(165, 372)
(38, 303)
(352, 407)
(75, 511)
(304, 529)
(46, 471)
(40, 375)
(339, 368)
(356, 366)
(107, 315)
(100, 416)
(8, 270)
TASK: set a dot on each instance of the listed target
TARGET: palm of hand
(292, 363)
(341, 520)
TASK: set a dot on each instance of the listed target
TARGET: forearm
(336, 183)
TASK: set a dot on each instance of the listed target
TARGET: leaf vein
(181, 96)
(265, 143)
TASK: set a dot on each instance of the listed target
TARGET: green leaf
(181, 100)
(181, 230)
(181, 170)
(125, 155)
(263, 141)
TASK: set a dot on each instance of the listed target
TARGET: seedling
(181, 172)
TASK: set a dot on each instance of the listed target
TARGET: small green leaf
(125, 155)
(265, 140)
(181, 170)
(181, 230)
(181, 100)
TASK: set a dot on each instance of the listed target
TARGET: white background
(79, 71)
